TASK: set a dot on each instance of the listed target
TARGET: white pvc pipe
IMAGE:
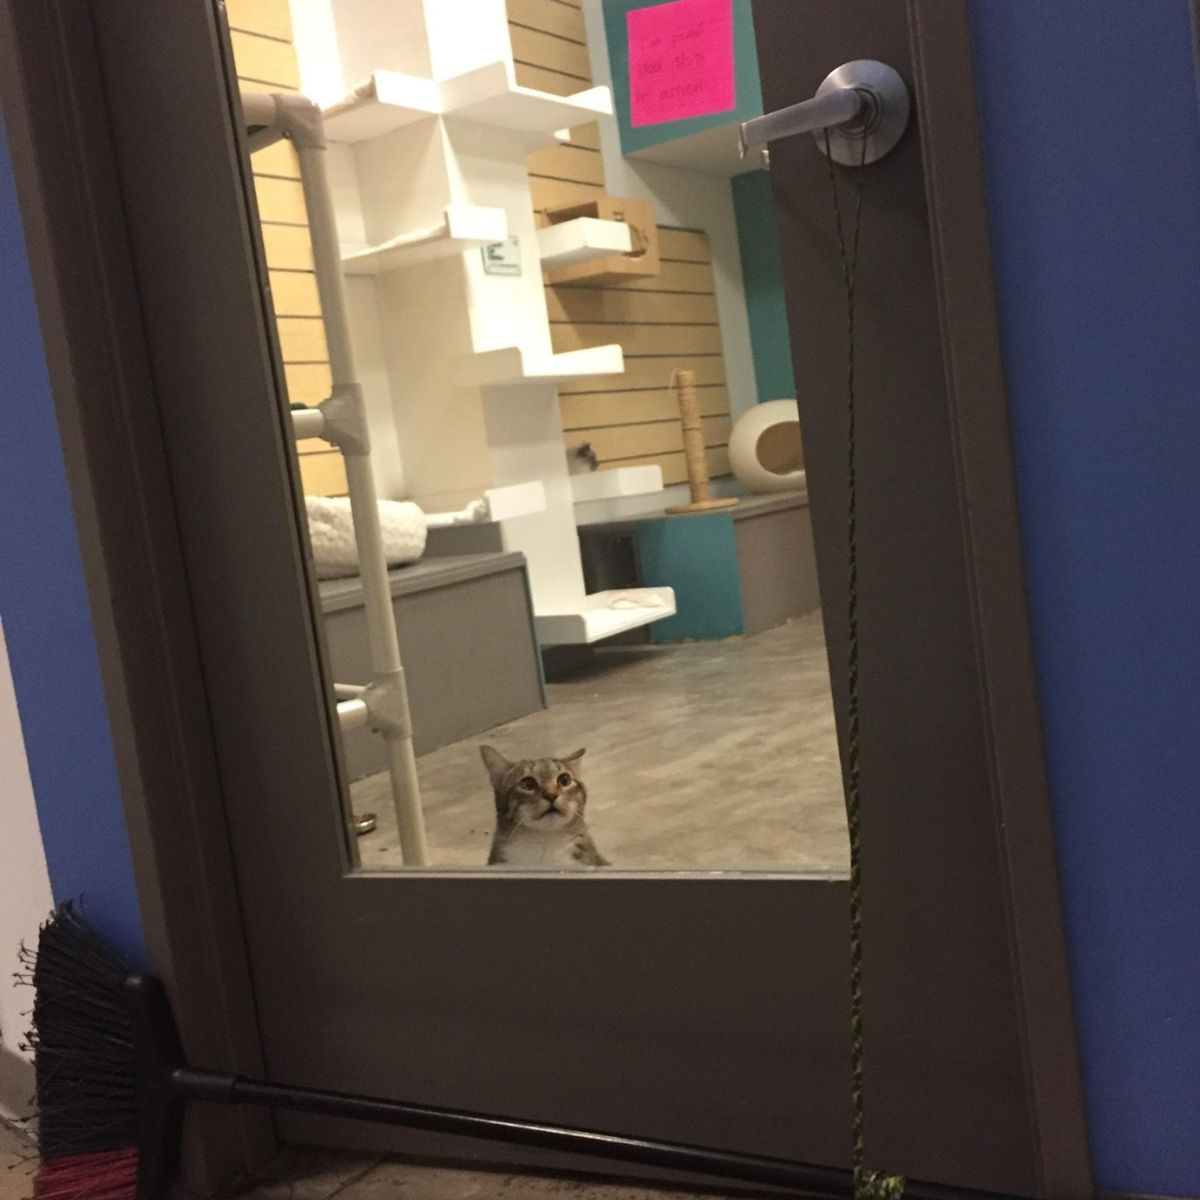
(364, 506)
(352, 714)
(308, 423)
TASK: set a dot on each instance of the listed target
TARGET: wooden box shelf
(640, 262)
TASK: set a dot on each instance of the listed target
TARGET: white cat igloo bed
(765, 450)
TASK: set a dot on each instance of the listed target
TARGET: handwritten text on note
(680, 60)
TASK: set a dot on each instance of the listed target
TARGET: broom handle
(165, 1086)
(188, 1084)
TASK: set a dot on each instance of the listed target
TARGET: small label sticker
(502, 258)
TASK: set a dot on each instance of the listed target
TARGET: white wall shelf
(515, 365)
(582, 240)
(488, 95)
(463, 227)
(496, 504)
(614, 482)
(387, 100)
(597, 619)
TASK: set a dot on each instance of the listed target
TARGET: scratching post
(684, 383)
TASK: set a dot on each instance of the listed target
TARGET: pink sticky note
(680, 60)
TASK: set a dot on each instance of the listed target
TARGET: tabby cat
(539, 812)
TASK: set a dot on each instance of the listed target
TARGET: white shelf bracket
(386, 698)
(345, 414)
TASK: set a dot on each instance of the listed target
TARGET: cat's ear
(572, 760)
(497, 765)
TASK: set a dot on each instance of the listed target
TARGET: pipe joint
(345, 414)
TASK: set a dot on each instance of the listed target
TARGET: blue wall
(47, 622)
(1092, 143)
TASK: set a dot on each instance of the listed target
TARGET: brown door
(707, 1009)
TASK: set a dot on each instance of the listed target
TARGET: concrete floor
(324, 1174)
(16, 1165)
(321, 1175)
(703, 755)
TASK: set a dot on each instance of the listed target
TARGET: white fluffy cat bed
(331, 532)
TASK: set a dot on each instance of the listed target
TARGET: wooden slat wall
(550, 53)
(663, 323)
(261, 32)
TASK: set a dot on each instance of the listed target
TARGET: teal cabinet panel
(697, 556)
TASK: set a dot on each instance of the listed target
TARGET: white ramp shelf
(514, 365)
(491, 96)
(488, 96)
(605, 614)
(612, 483)
(463, 227)
(581, 240)
(387, 100)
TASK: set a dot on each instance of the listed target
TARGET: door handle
(861, 100)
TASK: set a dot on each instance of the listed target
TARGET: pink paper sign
(680, 60)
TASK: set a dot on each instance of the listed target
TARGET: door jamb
(85, 283)
(975, 383)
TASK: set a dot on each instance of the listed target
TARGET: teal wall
(697, 556)
(762, 275)
(745, 65)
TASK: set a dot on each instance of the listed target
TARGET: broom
(112, 1085)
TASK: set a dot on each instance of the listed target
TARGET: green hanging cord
(868, 1184)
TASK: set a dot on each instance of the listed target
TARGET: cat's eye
(564, 780)
(528, 784)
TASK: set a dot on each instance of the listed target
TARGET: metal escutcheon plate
(887, 121)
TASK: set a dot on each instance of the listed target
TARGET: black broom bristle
(81, 1039)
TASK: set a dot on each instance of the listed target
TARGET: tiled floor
(706, 755)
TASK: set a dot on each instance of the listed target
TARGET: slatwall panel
(261, 32)
(663, 323)
(550, 53)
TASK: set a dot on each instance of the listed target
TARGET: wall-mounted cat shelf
(616, 482)
(582, 240)
(463, 227)
(488, 95)
(513, 365)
